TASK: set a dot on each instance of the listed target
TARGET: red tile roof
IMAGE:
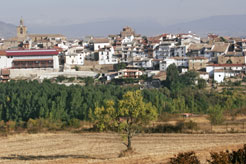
(32, 52)
(2, 53)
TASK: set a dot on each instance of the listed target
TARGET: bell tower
(21, 30)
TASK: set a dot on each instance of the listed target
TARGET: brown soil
(104, 148)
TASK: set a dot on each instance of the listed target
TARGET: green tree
(202, 83)
(189, 78)
(172, 75)
(132, 114)
(89, 81)
(104, 118)
(119, 66)
(215, 114)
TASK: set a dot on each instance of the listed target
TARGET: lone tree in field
(132, 114)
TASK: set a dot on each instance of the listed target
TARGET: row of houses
(213, 57)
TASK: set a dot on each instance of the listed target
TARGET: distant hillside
(102, 28)
(230, 25)
(7, 30)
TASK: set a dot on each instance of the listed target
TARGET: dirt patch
(104, 148)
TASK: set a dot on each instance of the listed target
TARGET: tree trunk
(129, 138)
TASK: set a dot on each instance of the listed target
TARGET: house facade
(27, 59)
(197, 63)
(106, 56)
(129, 73)
(75, 56)
(221, 71)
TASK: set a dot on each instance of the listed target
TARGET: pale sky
(56, 12)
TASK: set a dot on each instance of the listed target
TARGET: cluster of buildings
(214, 57)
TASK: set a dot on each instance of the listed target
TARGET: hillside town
(46, 56)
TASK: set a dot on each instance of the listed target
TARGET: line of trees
(22, 100)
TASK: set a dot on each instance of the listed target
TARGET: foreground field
(104, 148)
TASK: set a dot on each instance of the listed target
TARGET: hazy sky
(54, 12)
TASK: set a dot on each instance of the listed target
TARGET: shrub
(60, 78)
(75, 123)
(11, 125)
(20, 126)
(32, 126)
(55, 125)
(76, 68)
(202, 83)
(219, 158)
(235, 157)
(39, 125)
(2, 127)
(165, 128)
(216, 115)
(180, 126)
(237, 83)
(164, 117)
(71, 79)
(185, 158)
(191, 125)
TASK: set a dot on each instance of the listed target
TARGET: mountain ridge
(7, 30)
(225, 25)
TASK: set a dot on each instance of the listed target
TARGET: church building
(31, 41)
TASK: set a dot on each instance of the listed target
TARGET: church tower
(21, 31)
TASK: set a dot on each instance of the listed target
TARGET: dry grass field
(104, 148)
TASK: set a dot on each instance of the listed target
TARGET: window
(21, 30)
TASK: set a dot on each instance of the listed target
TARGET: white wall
(204, 76)
(106, 57)
(56, 62)
(98, 46)
(128, 39)
(219, 76)
(3, 62)
(210, 70)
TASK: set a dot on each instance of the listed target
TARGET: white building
(129, 73)
(30, 59)
(220, 48)
(169, 49)
(221, 71)
(189, 38)
(99, 43)
(3, 60)
(202, 50)
(244, 45)
(143, 63)
(75, 56)
(127, 39)
(106, 56)
(178, 61)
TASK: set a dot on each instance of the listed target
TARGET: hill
(7, 30)
(229, 25)
(102, 28)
